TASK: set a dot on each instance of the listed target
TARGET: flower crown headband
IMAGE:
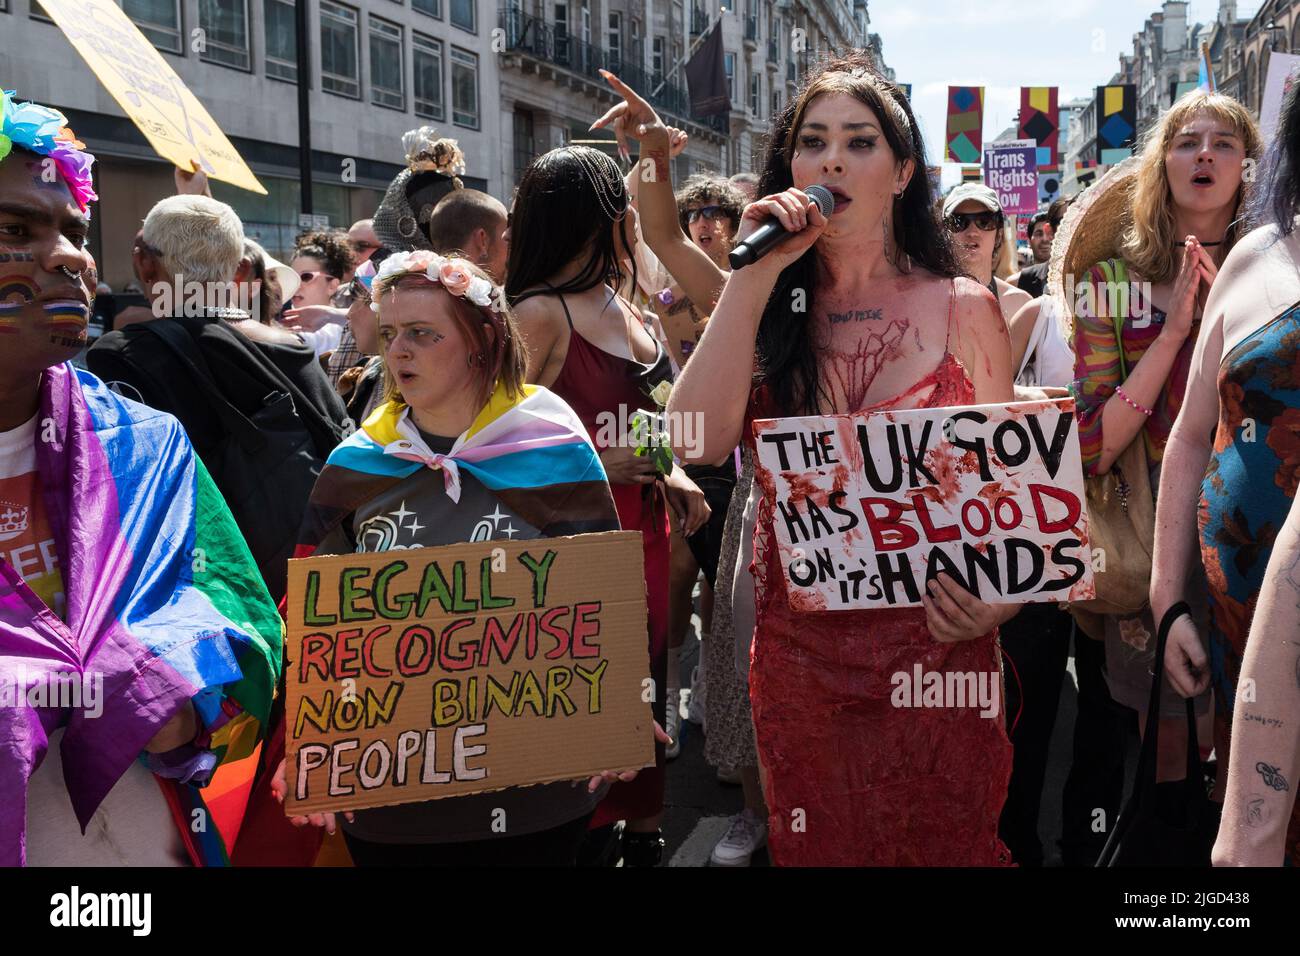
(41, 130)
(453, 274)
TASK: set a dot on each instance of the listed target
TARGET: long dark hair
(786, 359)
(560, 211)
(1279, 200)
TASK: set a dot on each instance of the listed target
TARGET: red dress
(853, 780)
(596, 383)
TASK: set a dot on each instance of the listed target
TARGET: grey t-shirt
(417, 513)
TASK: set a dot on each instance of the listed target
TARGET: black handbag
(1141, 836)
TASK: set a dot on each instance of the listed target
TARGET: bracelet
(1132, 404)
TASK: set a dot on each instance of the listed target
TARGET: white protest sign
(1282, 70)
(868, 507)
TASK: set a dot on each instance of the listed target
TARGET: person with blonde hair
(1235, 440)
(1148, 242)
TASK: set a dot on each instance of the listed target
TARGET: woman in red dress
(863, 311)
(571, 236)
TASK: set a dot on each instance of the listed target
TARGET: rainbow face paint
(16, 293)
(67, 320)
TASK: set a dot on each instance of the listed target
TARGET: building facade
(508, 82)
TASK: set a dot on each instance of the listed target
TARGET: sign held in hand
(438, 672)
(868, 507)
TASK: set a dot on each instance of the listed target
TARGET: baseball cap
(978, 192)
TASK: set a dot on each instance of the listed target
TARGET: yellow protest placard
(148, 89)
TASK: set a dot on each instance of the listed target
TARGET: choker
(1207, 245)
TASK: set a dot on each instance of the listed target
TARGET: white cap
(971, 191)
(285, 277)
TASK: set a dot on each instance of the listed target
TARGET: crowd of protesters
(245, 423)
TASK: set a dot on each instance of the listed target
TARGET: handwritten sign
(148, 89)
(437, 672)
(867, 508)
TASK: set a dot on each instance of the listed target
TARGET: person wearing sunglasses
(973, 217)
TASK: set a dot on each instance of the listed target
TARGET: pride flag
(530, 450)
(163, 601)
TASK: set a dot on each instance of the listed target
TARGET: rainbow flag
(163, 602)
(530, 450)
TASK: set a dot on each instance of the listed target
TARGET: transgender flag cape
(163, 600)
(529, 450)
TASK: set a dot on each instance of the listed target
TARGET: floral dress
(1246, 496)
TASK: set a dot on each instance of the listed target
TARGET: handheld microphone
(771, 233)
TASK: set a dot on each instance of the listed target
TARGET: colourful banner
(1040, 120)
(965, 137)
(1009, 170)
(971, 174)
(149, 91)
(1116, 122)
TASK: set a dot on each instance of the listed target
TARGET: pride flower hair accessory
(45, 132)
(453, 274)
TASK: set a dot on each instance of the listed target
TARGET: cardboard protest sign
(867, 508)
(436, 672)
(1011, 171)
(148, 89)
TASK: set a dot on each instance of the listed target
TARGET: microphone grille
(823, 198)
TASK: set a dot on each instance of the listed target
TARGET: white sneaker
(695, 702)
(746, 835)
(673, 722)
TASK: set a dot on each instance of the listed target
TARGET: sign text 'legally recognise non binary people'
(438, 672)
(868, 507)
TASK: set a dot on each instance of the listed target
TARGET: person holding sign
(461, 451)
(863, 311)
(1234, 436)
(1141, 251)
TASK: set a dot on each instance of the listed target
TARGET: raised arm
(1264, 759)
(715, 384)
(694, 271)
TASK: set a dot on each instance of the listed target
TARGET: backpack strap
(179, 342)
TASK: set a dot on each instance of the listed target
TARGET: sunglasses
(711, 213)
(984, 221)
(360, 292)
(309, 276)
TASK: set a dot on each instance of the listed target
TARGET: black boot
(642, 849)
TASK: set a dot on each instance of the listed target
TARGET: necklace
(1207, 245)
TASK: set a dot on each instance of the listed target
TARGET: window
(428, 77)
(431, 7)
(464, 88)
(657, 59)
(225, 27)
(386, 70)
(281, 41)
(586, 22)
(159, 20)
(463, 14)
(776, 102)
(339, 52)
(525, 143)
(615, 42)
(562, 34)
(729, 64)
(755, 87)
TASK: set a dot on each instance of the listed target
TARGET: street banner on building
(1040, 120)
(436, 672)
(1010, 170)
(706, 76)
(868, 507)
(1116, 123)
(148, 89)
(1282, 71)
(965, 136)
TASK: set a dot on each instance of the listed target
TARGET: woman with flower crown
(588, 344)
(428, 468)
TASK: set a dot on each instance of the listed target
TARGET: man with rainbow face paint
(139, 649)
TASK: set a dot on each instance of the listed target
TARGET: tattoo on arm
(1261, 719)
(1272, 777)
(857, 315)
(1256, 813)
